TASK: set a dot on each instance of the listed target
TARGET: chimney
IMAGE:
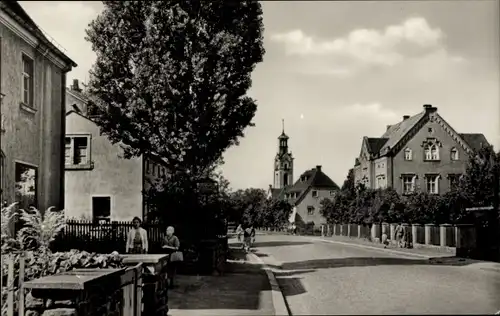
(75, 86)
(318, 168)
(388, 126)
(429, 108)
(405, 117)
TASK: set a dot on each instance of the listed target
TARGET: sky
(337, 71)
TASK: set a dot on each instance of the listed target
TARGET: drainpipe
(63, 136)
(2, 176)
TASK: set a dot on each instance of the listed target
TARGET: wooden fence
(14, 304)
(104, 237)
(112, 236)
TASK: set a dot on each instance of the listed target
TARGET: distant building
(420, 152)
(306, 193)
(100, 183)
(32, 80)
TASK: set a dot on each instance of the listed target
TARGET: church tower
(283, 163)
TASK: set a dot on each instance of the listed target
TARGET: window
(454, 154)
(101, 207)
(26, 185)
(431, 183)
(286, 166)
(408, 154)
(408, 183)
(76, 151)
(67, 151)
(285, 179)
(314, 193)
(332, 193)
(430, 130)
(27, 82)
(454, 180)
(431, 152)
(310, 210)
(148, 167)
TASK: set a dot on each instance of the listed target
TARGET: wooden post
(10, 286)
(21, 281)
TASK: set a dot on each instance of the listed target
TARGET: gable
(433, 131)
(364, 154)
(79, 124)
(445, 133)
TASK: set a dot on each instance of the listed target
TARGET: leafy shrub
(32, 242)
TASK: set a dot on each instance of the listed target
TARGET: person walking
(239, 231)
(399, 235)
(137, 238)
(247, 238)
(385, 240)
(252, 235)
(407, 237)
(172, 244)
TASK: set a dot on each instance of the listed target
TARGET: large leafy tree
(247, 205)
(480, 180)
(275, 213)
(171, 77)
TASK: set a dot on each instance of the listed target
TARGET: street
(326, 278)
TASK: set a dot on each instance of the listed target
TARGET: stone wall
(63, 303)
(154, 282)
(154, 295)
(89, 292)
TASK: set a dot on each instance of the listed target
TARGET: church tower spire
(283, 163)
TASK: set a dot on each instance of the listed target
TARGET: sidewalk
(243, 290)
(417, 251)
(435, 255)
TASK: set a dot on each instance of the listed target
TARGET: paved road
(324, 278)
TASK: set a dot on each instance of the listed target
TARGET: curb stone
(279, 303)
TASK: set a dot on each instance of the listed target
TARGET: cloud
(342, 56)
(371, 110)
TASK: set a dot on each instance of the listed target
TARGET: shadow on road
(291, 286)
(280, 243)
(280, 274)
(258, 254)
(312, 265)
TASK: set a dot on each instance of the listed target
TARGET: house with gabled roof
(33, 70)
(420, 152)
(306, 193)
(100, 184)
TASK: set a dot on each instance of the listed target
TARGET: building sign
(207, 186)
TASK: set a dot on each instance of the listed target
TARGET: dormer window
(454, 154)
(408, 154)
